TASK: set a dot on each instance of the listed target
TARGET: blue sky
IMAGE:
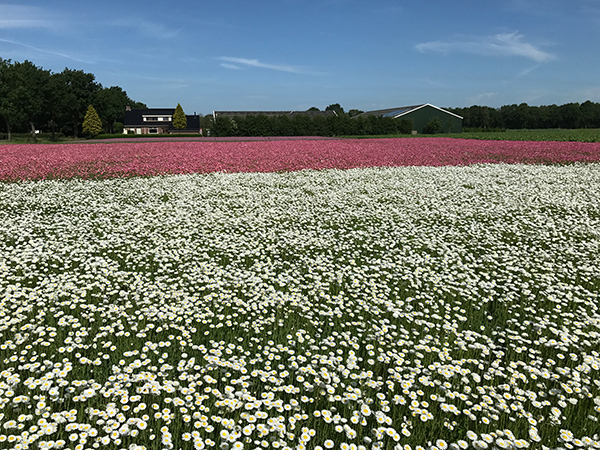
(294, 54)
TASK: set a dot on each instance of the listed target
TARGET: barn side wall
(420, 117)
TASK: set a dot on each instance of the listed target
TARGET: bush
(303, 125)
(483, 130)
(405, 126)
(434, 126)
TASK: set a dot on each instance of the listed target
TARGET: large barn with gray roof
(421, 115)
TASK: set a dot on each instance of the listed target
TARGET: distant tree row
(523, 116)
(32, 98)
(305, 125)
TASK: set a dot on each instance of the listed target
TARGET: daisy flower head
(365, 410)
(441, 444)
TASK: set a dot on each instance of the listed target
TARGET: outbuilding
(425, 117)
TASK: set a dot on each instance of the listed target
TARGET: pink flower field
(109, 160)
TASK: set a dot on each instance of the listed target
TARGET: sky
(295, 54)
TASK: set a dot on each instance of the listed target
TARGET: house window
(153, 130)
(157, 118)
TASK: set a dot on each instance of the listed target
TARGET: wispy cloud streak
(238, 63)
(502, 44)
(48, 52)
(23, 16)
(147, 28)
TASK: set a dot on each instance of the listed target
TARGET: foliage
(92, 125)
(111, 103)
(32, 98)
(305, 125)
(337, 108)
(523, 116)
(179, 119)
(23, 95)
(434, 126)
(355, 112)
(77, 90)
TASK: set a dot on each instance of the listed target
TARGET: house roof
(394, 113)
(272, 113)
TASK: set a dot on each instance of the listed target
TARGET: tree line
(33, 98)
(523, 116)
(305, 125)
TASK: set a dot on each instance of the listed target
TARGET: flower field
(18, 162)
(423, 307)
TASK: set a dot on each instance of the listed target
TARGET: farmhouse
(157, 121)
(421, 116)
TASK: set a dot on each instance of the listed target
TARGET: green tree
(337, 108)
(8, 108)
(433, 126)
(179, 119)
(570, 115)
(24, 94)
(75, 90)
(92, 125)
(590, 114)
(110, 105)
(222, 126)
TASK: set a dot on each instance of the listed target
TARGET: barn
(423, 117)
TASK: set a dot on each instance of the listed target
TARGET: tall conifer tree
(92, 124)
(179, 119)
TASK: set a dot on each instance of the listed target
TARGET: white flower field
(386, 308)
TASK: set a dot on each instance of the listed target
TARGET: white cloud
(22, 16)
(502, 44)
(235, 63)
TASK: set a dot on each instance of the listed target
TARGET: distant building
(421, 115)
(157, 121)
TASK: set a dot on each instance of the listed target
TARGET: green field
(576, 135)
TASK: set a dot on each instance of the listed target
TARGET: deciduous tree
(77, 90)
(336, 108)
(110, 105)
(23, 94)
